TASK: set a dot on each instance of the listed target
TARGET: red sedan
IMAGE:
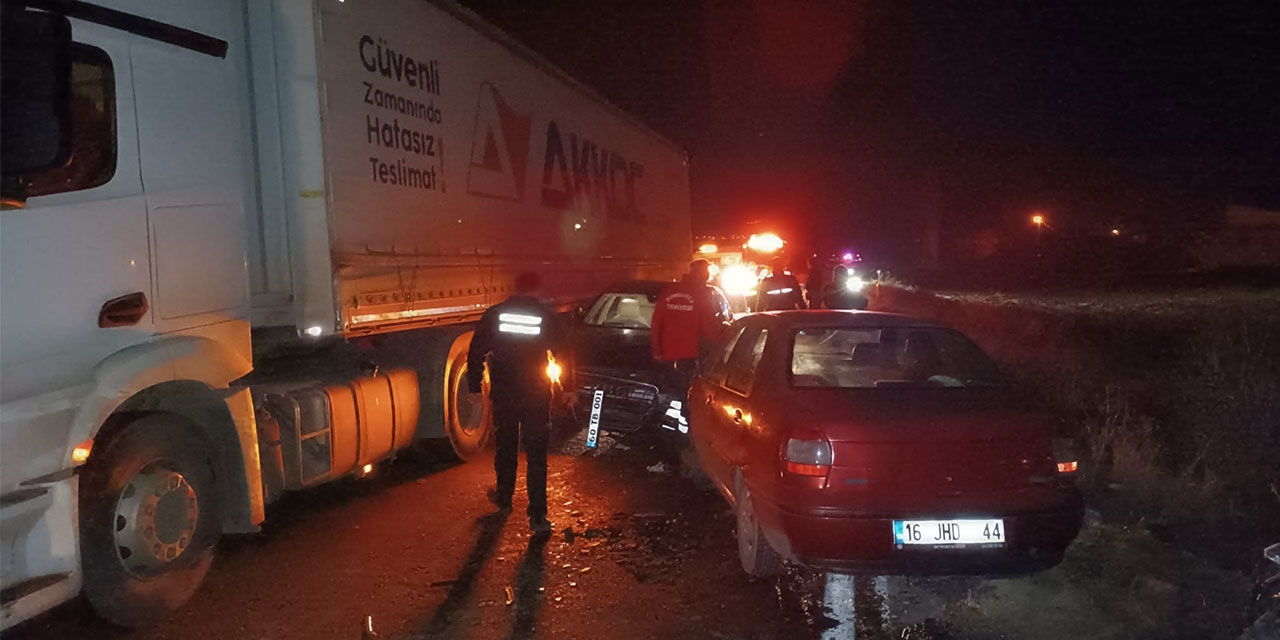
(860, 442)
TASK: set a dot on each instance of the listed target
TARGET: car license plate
(949, 534)
(593, 426)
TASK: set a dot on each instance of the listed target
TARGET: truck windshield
(875, 357)
(628, 310)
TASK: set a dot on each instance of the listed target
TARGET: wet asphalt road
(648, 554)
(639, 551)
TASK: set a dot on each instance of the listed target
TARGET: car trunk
(929, 451)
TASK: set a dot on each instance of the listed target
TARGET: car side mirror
(35, 82)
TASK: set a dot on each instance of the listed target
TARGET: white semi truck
(243, 243)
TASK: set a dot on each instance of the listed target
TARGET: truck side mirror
(35, 97)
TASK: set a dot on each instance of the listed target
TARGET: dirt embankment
(1173, 397)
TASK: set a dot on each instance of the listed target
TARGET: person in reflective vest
(779, 291)
(519, 338)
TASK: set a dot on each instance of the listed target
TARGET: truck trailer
(244, 243)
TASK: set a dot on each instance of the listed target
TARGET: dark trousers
(685, 369)
(526, 415)
(680, 378)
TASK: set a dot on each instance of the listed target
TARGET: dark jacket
(779, 292)
(516, 335)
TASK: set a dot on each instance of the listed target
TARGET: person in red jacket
(684, 320)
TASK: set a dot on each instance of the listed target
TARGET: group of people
(517, 338)
(781, 290)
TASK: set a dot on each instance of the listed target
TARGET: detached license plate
(949, 534)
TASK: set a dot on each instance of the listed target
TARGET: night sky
(869, 123)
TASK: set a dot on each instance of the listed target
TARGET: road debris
(366, 629)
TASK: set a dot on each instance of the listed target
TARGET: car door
(734, 395)
(703, 414)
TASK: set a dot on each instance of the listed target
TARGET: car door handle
(737, 416)
(125, 311)
(708, 399)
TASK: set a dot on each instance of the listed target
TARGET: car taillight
(807, 457)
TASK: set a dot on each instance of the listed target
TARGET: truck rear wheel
(149, 519)
(467, 422)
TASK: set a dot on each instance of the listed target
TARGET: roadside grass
(1173, 398)
(1115, 583)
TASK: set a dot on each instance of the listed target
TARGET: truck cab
(124, 283)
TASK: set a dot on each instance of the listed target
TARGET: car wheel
(468, 422)
(149, 520)
(754, 552)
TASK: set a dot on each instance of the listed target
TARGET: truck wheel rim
(468, 414)
(155, 519)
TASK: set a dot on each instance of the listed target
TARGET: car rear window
(627, 310)
(877, 357)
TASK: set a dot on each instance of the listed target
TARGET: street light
(1037, 219)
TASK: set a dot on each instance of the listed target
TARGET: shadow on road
(528, 597)
(295, 509)
(459, 597)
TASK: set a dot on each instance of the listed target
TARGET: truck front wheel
(148, 519)
(467, 421)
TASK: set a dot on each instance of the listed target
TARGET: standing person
(840, 294)
(815, 283)
(780, 290)
(518, 336)
(684, 321)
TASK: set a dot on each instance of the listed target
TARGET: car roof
(803, 318)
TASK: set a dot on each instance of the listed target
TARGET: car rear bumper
(1036, 540)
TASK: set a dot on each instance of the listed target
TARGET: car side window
(742, 365)
(714, 364)
(93, 127)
